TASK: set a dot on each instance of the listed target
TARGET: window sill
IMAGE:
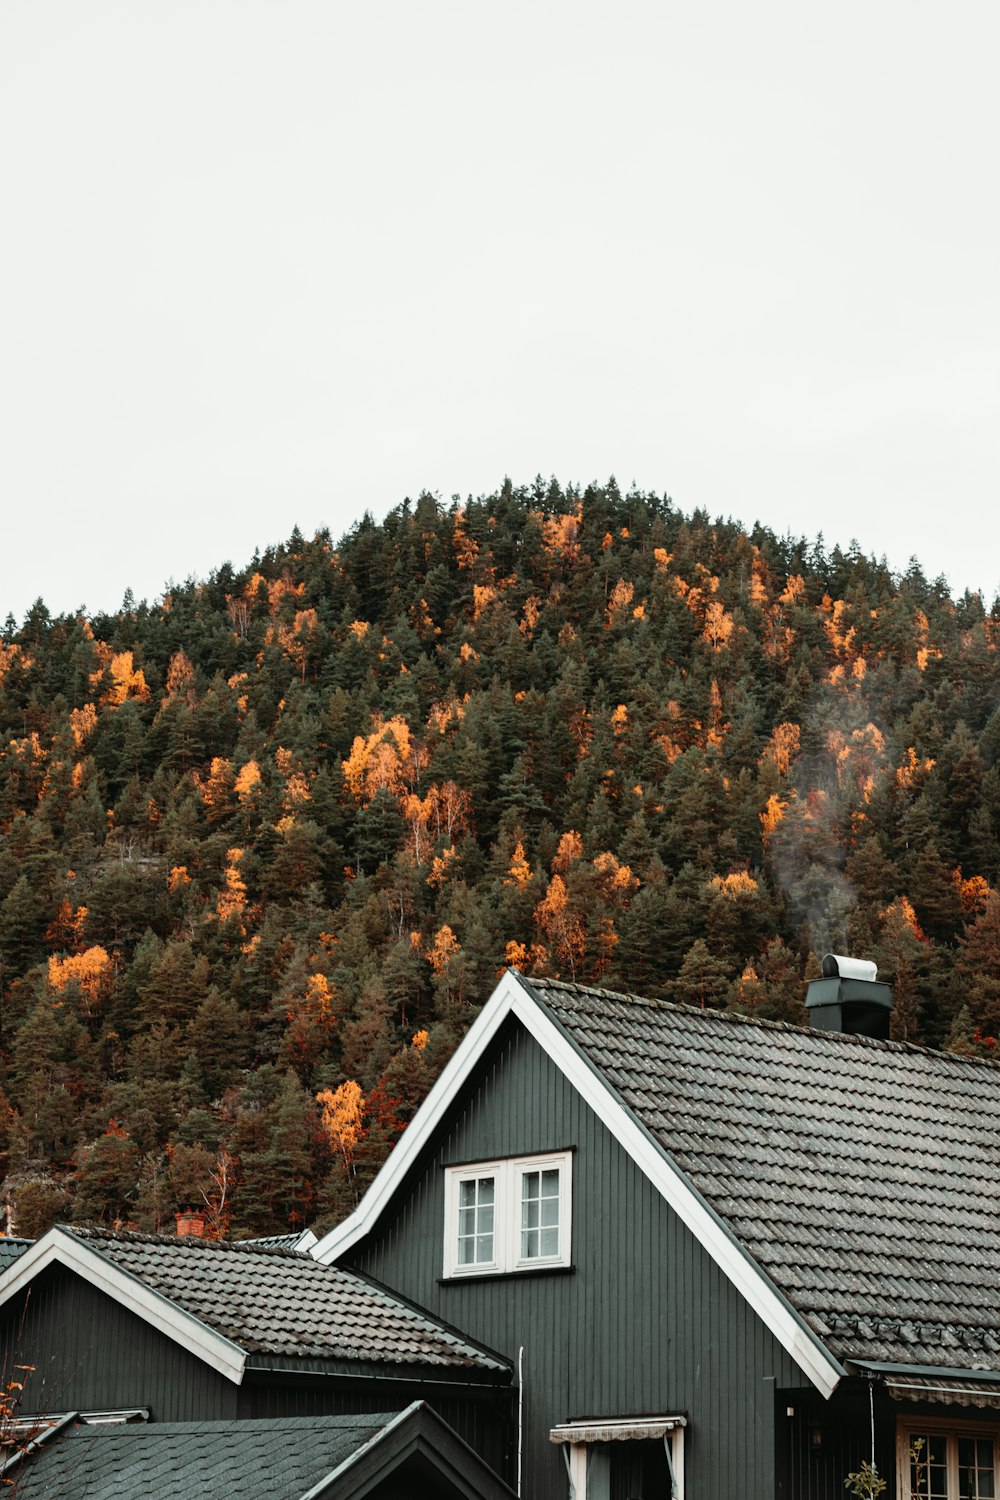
(508, 1275)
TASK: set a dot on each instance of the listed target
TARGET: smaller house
(368, 1456)
(180, 1331)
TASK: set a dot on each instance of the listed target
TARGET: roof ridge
(715, 1016)
(143, 1237)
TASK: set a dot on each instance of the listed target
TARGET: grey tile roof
(281, 1302)
(276, 1241)
(11, 1249)
(256, 1460)
(862, 1176)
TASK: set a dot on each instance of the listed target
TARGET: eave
(61, 1247)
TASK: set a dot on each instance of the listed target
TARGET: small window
(506, 1216)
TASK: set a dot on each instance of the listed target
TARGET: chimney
(848, 998)
(190, 1221)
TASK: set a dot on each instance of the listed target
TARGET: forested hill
(267, 845)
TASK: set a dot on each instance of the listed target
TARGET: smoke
(844, 753)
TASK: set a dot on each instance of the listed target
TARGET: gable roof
(848, 1187)
(861, 1175)
(299, 1458)
(228, 1302)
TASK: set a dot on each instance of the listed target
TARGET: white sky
(267, 262)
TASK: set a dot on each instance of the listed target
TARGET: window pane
(540, 1214)
(928, 1466)
(475, 1221)
(976, 1468)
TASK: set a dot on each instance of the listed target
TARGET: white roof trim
(511, 997)
(424, 1122)
(63, 1248)
(366, 1447)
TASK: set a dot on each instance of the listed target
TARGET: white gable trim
(405, 1415)
(511, 998)
(424, 1122)
(61, 1248)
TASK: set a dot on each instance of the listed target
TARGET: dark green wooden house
(727, 1258)
(128, 1330)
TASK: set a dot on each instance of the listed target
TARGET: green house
(728, 1258)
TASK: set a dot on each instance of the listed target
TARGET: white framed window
(502, 1217)
(947, 1460)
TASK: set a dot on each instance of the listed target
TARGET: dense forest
(266, 845)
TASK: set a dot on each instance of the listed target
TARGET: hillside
(266, 845)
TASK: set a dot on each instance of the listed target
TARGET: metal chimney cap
(835, 964)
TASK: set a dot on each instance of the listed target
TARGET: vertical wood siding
(484, 1422)
(816, 1471)
(92, 1354)
(645, 1323)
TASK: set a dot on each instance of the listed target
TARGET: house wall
(92, 1354)
(645, 1322)
(820, 1442)
(483, 1419)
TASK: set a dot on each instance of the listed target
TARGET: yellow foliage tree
(519, 871)
(180, 675)
(782, 747)
(570, 848)
(91, 971)
(127, 681)
(232, 899)
(562, 927)
(388, 759)
(342, 1117)
(443, 949)
(719, 625)
(82, 723)
(247, 780)
(619, 603)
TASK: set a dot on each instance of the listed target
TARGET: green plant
(865, 1483)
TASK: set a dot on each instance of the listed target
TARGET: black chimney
(848, 998)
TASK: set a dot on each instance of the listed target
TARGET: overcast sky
(276, 262)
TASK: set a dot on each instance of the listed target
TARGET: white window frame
(507, 1174)
(913, 1425)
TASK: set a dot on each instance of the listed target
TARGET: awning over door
(946, 1390)
(619, 1430)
